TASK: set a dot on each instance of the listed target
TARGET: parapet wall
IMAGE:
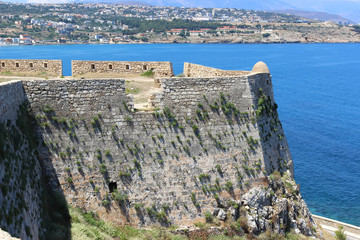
(11, 96)
(23, 66)
(161, 69)
(75, 98)
(195, 70)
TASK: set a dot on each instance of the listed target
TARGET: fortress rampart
(50, 67)
(11, 96)
(124, 68)
(208, 145)
(196, 70)
(84, 68)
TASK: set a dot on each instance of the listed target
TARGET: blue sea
(317, 88)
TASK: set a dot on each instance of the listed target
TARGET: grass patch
(87, 226)
(148, 73)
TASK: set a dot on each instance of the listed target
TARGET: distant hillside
(133, 3)
(345, 8)
(244, 4)
(323, 16)
(130, 3)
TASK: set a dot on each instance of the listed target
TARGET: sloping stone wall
(196, 70)
(122, 68)
(11, 96)
(20, 190)
(175, 160)
(14, 66)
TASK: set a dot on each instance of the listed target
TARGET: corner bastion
(211, 144)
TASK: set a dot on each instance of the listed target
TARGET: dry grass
(106, 75)
(5, 79)
(27, 74)
(141, 88)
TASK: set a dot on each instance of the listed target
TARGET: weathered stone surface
(123, 68)
(221, 215)
(51, 67)
(209, 147)
(195, 70)
(20, 190)
(6, 236)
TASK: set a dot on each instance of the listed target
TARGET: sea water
(317, 88)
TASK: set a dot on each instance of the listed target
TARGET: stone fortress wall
(123, 68)
(208, 145)
(51, 67)
(196, 70)
(20, 188)
(80, 68)
(11, 96)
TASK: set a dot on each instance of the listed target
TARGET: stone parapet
(196, 70)
(32, 66)
(121, 68)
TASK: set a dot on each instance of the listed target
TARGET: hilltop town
(114, 23)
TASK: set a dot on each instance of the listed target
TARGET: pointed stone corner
(260, 67)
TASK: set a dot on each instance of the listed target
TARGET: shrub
(107, 153)
(218, 168)
(204, 177)
(340, 235)
(105, 203)
(120, 197)
(128, 120)
(103, 168)
(196, 130)
(228, 186)
(193, 198)
(209, 217)
(47, 109)
(69, 180)
(138, 206)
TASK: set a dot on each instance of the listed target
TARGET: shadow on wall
(56, 217)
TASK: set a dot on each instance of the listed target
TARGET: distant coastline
(185, 42)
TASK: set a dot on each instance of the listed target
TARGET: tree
(182, 33)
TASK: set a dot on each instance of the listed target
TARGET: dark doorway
(112, 186)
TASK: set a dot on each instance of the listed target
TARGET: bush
(209, 217)
(218, 168)
(228, 186)
(340, 234)
(105, 203)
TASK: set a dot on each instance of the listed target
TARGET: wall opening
(31, 65)
(45, 65)
(3, 64)
(93, 66)
(112, 186)
(110, 66)
(17, 65)
(267, 81)
(127, 66)
(144, 67)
